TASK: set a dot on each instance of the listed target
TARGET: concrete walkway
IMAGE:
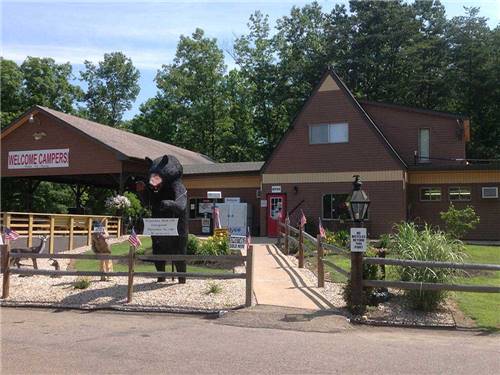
(278, 282)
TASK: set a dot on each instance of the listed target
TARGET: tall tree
(112, 87)
(11, 86)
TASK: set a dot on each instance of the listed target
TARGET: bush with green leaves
(426, 245)
(81, 283)
(340, 238)
(459, 221)
(193, 244)
(214, 246)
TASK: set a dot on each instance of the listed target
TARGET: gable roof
(220, 168)
(126, 144)
(332, 81)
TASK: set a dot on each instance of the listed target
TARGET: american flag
(10, 234)
(249, 237)
(134, 239)
(303, 220)
(322, 232)
(217, 218)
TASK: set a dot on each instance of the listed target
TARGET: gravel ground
(148, 294)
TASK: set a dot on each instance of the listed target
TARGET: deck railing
(32, 224)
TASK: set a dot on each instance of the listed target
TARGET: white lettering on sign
(358, 240)
(160, 227)
(56, 158)
(276, 189)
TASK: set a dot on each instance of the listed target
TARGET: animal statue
(101, 246)
(27, 251)
(56, 266)
(166, 195)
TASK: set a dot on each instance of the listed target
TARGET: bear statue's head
(163, 171)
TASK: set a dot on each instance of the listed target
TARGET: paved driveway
(69, 342)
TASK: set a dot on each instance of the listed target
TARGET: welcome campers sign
(160, 227)
(56, 158)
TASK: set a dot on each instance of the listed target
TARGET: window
(329, 133)
(489, 192)
(430, 194)
(201, 207)
(334, 207)
(459, 194)
(424, 136)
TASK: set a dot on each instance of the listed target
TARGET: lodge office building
(412, 163)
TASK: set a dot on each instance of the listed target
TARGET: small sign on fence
(160, 227)
(237, 242)
(358, 240)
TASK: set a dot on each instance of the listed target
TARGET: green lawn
(483, 308)
(123, 248)
(341, 261)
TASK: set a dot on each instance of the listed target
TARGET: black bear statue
(166, 196)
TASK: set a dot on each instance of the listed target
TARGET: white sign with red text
(56, 158)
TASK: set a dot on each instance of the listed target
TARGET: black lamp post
(358, 202)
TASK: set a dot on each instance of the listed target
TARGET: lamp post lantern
(358, 204)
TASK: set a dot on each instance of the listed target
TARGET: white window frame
(329, 141)
(430, 200)
(460, 194)
(489, 187)
(323, 207)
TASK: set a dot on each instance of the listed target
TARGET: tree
(11, 84)
(155, 120)
(112, 87)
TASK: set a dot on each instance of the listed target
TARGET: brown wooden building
(412, 163)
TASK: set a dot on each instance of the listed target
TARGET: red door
(275, 204)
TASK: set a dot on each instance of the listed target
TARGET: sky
(146, 31)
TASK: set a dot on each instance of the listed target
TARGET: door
(275, 204)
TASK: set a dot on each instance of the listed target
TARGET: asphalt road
(71, 342)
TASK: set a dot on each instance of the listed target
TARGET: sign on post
(160, 227)
(237, 242)
(358, 240)
(205, 226)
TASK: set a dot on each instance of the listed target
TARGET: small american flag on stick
(322, 232)
(134, 239)
(10, 234)
(303, 220)
(249, 237)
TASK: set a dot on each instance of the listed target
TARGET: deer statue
(27, 251)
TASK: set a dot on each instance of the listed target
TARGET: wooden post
(89, 231)
(357, 282)
(249, 277)
(321, 266)
(287, 234)
(301, 247)
(6, 220)
(119, 228)
(131, 260)
(30, 230)
(71, 232)
(6, 269)
(51, 234)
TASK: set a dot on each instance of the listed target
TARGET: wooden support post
(321, 266)
(6, 220)
(249, 277)
(119, 228)
(301, 247)
(30, 230)
(287, 234)
(89, 231)
(71, 233)
(357, 282)
(6, 269)
(130, 286)
(52, 238)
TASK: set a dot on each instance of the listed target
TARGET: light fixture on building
(358, 202)
(33, 120)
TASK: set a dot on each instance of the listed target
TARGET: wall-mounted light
(33, 120)
(296, 189)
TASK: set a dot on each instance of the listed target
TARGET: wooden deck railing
(32, 224)
(131, 273)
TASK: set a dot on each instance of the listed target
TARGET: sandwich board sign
(160, 227)
(358, 240)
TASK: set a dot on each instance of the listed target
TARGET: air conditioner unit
(489, 192)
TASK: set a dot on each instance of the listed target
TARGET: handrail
(432, 264)
(49, 214)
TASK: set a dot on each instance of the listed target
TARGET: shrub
(459, 222)
(81, 283)
(213, 288)
(427, 245)
(214, 246)
(370, 272)
(192, 245)
(340, 238)
(385, 239)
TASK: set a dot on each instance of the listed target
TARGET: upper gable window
(329, 133)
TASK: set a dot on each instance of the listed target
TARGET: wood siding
(453, 177)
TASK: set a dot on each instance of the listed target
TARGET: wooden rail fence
(357, 260)
(131, 273)
(32, 224)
